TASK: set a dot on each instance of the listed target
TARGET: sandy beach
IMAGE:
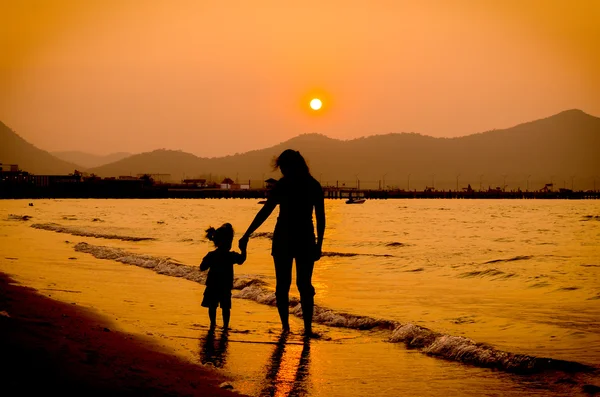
(53, 347)
(50, 346)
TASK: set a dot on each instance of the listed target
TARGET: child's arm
(205, 263)
(242, 256)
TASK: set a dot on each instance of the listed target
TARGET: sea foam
(161, 265)
(455, 348)
(458, 348)
(55, 227)
(14, 217)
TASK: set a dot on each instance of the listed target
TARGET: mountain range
(88, 160)
(561, 149)
(16, 150)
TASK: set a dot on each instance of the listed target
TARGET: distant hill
(88, 160)
(562, 149)
(15, 150)
(176, 163)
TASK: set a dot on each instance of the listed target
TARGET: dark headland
(554, 157)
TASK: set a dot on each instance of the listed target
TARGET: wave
(55, 227)
(342, 254)
(14, 217)
(322, 315)
(161, 265)
(515, 258)
(396, 244)
(540, 284)
(590, 218)
(351, 254)
(455, 348)
(487, 273)
(267, 235)
(568, 288)
(465, 350)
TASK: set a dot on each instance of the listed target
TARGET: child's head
(221, 237)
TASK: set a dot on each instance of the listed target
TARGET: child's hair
(220, 236)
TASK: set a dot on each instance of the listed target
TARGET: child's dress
(219, 281)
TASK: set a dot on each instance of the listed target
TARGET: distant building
(24, 178)
(160, 178)
(195, 182)
(547, 188)
(240, 186)
(9, 167)
(227, 183)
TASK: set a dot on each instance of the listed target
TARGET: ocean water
(487, 297)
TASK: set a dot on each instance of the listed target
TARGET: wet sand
(53, 347)
(50, 346)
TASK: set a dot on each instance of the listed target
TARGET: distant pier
(167, 191)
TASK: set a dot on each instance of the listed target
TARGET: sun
(315, 104)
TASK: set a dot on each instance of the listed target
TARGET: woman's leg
(304, 271)
(283, 276)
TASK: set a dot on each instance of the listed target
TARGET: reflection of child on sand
(219, 281)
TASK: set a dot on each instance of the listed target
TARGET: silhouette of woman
(297, 193)
(278, 381)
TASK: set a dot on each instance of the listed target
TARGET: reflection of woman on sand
(297, 194)
(279, 372)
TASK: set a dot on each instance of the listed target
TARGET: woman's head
(291, 163)
(221, 237)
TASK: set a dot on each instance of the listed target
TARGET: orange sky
(219, 77)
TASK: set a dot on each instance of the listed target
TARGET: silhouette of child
(219, 281)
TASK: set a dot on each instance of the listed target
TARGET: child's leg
(226, 314)
(212, 315)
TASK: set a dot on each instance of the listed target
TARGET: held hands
(243, 243)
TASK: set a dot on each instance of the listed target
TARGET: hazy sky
(219, 77)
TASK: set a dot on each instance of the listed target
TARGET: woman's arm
(260, 217)
(320, 216)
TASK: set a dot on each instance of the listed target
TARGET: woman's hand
(243, 243)
(318, 252)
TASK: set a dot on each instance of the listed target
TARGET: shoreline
(50, 346)
(83, 190)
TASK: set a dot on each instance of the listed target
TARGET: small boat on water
(355, 201)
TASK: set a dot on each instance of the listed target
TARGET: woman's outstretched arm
(260, 217)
